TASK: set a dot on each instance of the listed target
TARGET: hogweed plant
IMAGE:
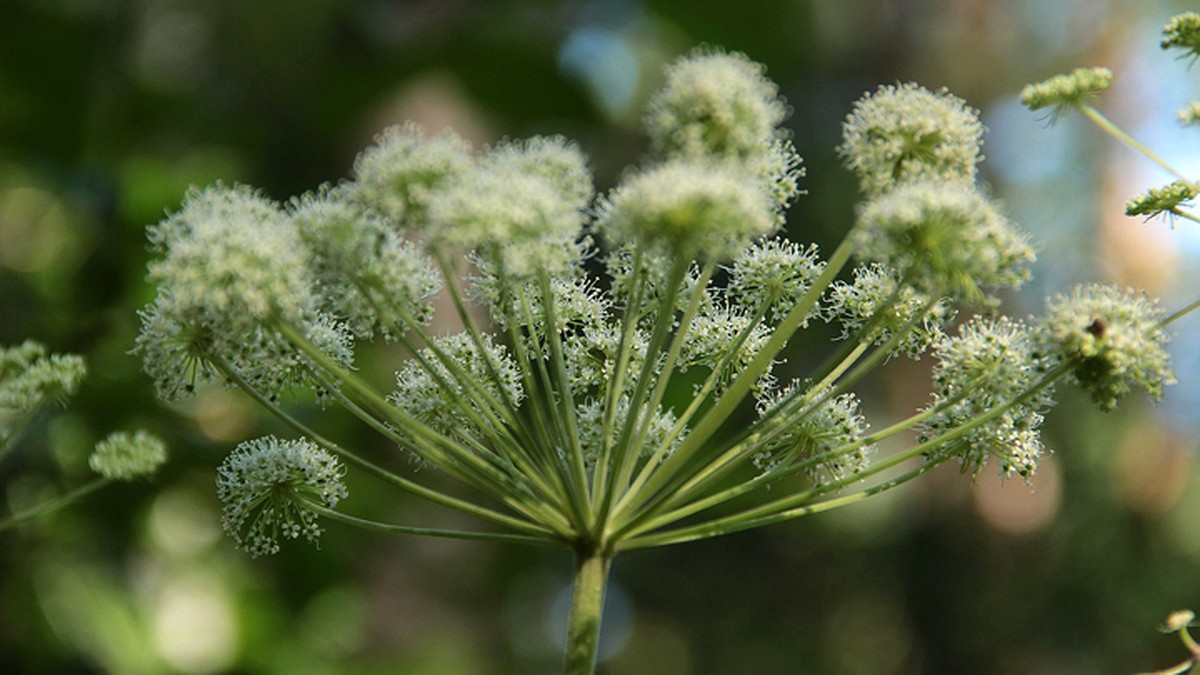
(564, 414)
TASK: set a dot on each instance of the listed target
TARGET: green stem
(717, 528)
(374, 469)
(432, 532)
(1119, 134)
(799, 504)
(576, 474)
(1187, 215)
(1180, 314)
(701, 435)
(587, 605)
(603, 470)
(53, 505)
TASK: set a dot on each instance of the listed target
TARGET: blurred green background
(110, 109)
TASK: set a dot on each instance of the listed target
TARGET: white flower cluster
(945, 238)
(772, 275)
(1112, 337)
(268, 486)
(989, 370)
(362, 265)
(629, 329)
(232, 264)
(431, 392)
(905, 132)
(827, 442)
(125, 456)
(30, 376)
(398, 175)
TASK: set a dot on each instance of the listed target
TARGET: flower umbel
(1113, 339)
(30, 376)
(989, 370)
(1070, 90)
(1183, 32)
(905, 132)
(1161, 200)
(945, 239)
(268, 487)
(593, 397)
(125, 456)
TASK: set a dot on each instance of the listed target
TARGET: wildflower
(1183, 32)
(946, 238)
(1113, 338)
(688, 208)
(828, 439)
(399, 173)
(30, 376)
(714, 332)
(720, 107)
(232, 264)
(520, 207)
(988, 370)
(230, 251)
(268, 488)
(590, 416)
(715, 104)
(552, 158)
(362, 264)
(1157, 201)
(875, 289)
(1071, 90)
(122, 456)
(428, 391)
(906, 132)
(772, 275)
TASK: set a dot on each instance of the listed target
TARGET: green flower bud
(1069, 90)
(1160, 200)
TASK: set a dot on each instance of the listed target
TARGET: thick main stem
(587, 604)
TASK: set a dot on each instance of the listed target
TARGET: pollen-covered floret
(268, 487)
(946, 238)
(827, 440)
(1113, 339)
(361, 265)
(125, 456)
(989, 365)
(397, 175)
(906, 132)
(30, 376)
(688, 208)
(906, 310)
(1160, 200)
(452, 403)
(715, 103)
(772, 275)
(1069, 90)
